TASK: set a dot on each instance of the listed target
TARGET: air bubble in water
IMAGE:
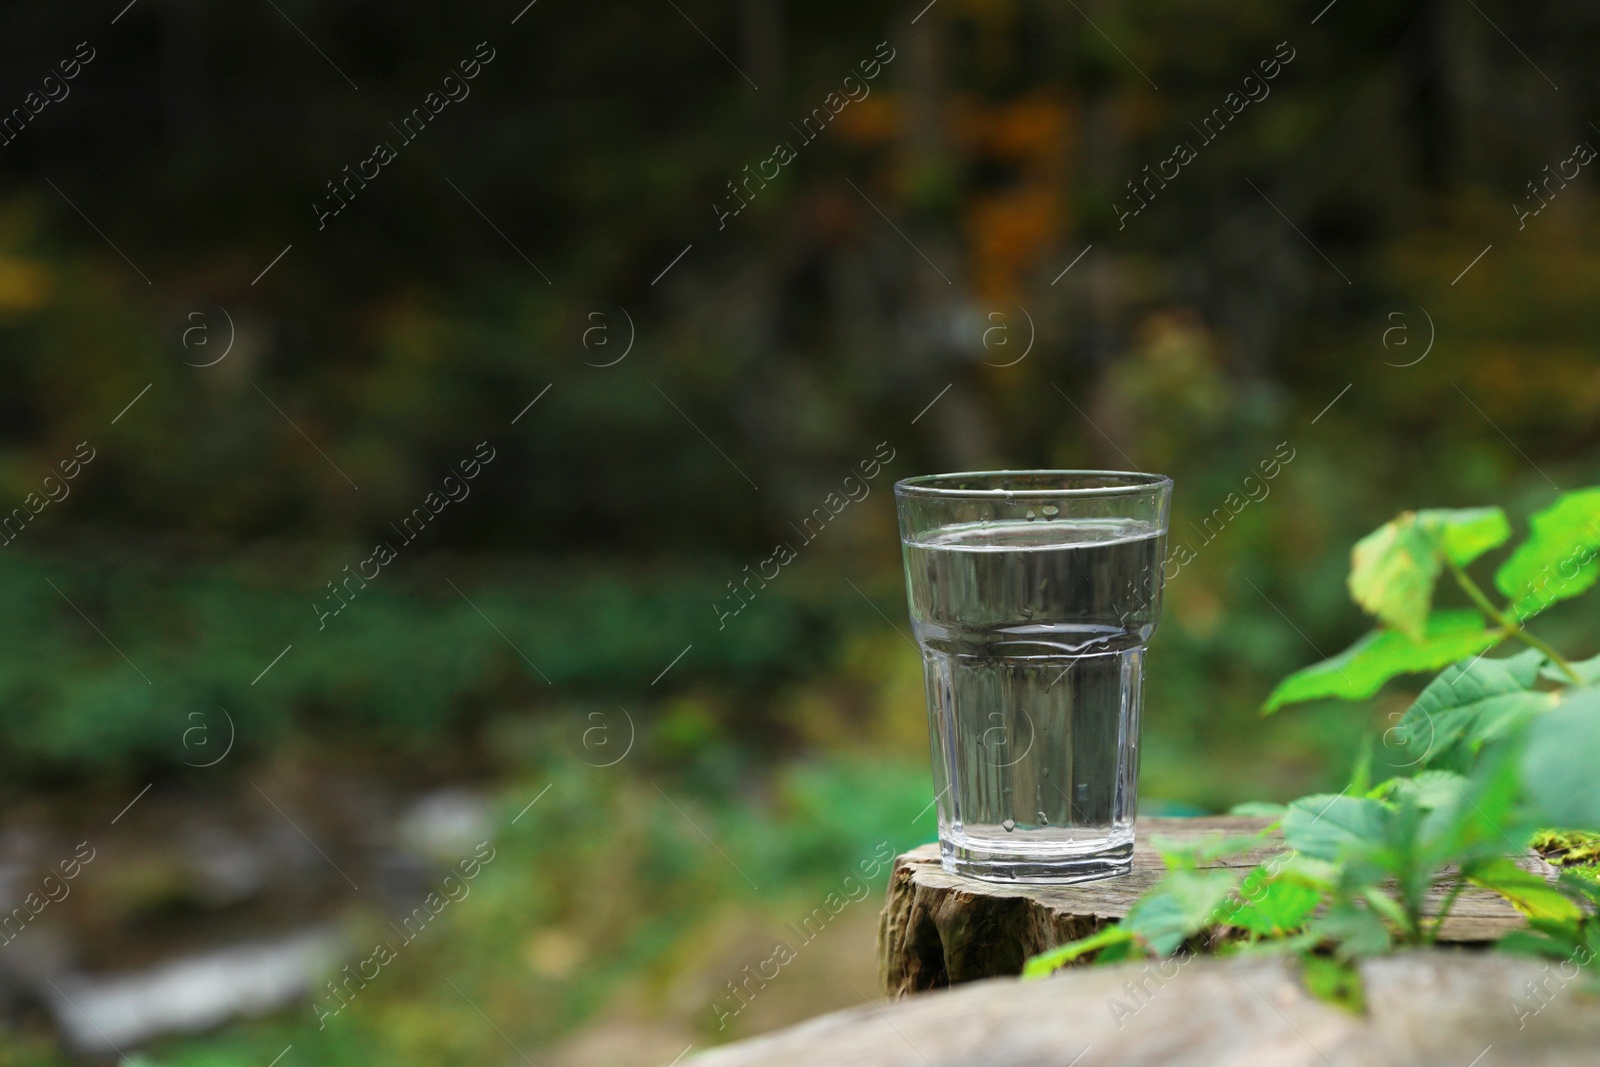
(1051, 511)
(1031, 515)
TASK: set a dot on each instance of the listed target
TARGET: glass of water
(1033, 594)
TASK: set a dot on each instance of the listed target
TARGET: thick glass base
(1085, 863)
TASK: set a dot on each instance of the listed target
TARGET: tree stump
(939, 929)
(1440, 1006)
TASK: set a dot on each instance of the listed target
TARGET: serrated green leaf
(1271, 906)
(1334, 981)
(1046, 963)
(1393, 571)
(1325, 826)
(1466, 706)
(1180, 906)
(1527, 892)
(1558, 764)
(1362, 669)
(1560, 558)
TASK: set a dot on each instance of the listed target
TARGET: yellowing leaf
(1528, 892)
(1394, 569)
(1392, 574)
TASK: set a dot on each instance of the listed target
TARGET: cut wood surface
(939, 929)
(1440, 1008)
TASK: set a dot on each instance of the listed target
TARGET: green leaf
(1357, 931)
(1360, 670)
(1334, 981)
(1528, 892)
(1431, 789)
(1180, 906)
(1046, 963)
(1384, 905)
(1464, 534)
(1323, 826)
(1560, 558)
(1320, 875)
(1259, 809)
(1272, 906)
(1467, 705)
(1558, 765)
(1393, 571)
(1193, 852)
(1490, 817)
(1587, 669)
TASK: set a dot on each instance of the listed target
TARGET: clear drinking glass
(1033, 594)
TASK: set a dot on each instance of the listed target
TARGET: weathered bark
(938, 929)
(1447, 1007)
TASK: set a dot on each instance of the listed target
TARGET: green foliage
(1394, 569)
(1272, 904)
(398, 666)
(1334, 981)
(1361, 670)
(1468, 705)
(1559, 762)
(1559, 560)
(1498, 747)
(1532, 895)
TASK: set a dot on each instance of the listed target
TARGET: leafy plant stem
(1444, 909)
(1510, 626)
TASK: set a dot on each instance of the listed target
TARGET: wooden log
(939, 929)
(1440, 1006)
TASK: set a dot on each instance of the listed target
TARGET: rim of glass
(1124, 483)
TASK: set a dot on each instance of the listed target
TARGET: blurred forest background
(944, 270)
